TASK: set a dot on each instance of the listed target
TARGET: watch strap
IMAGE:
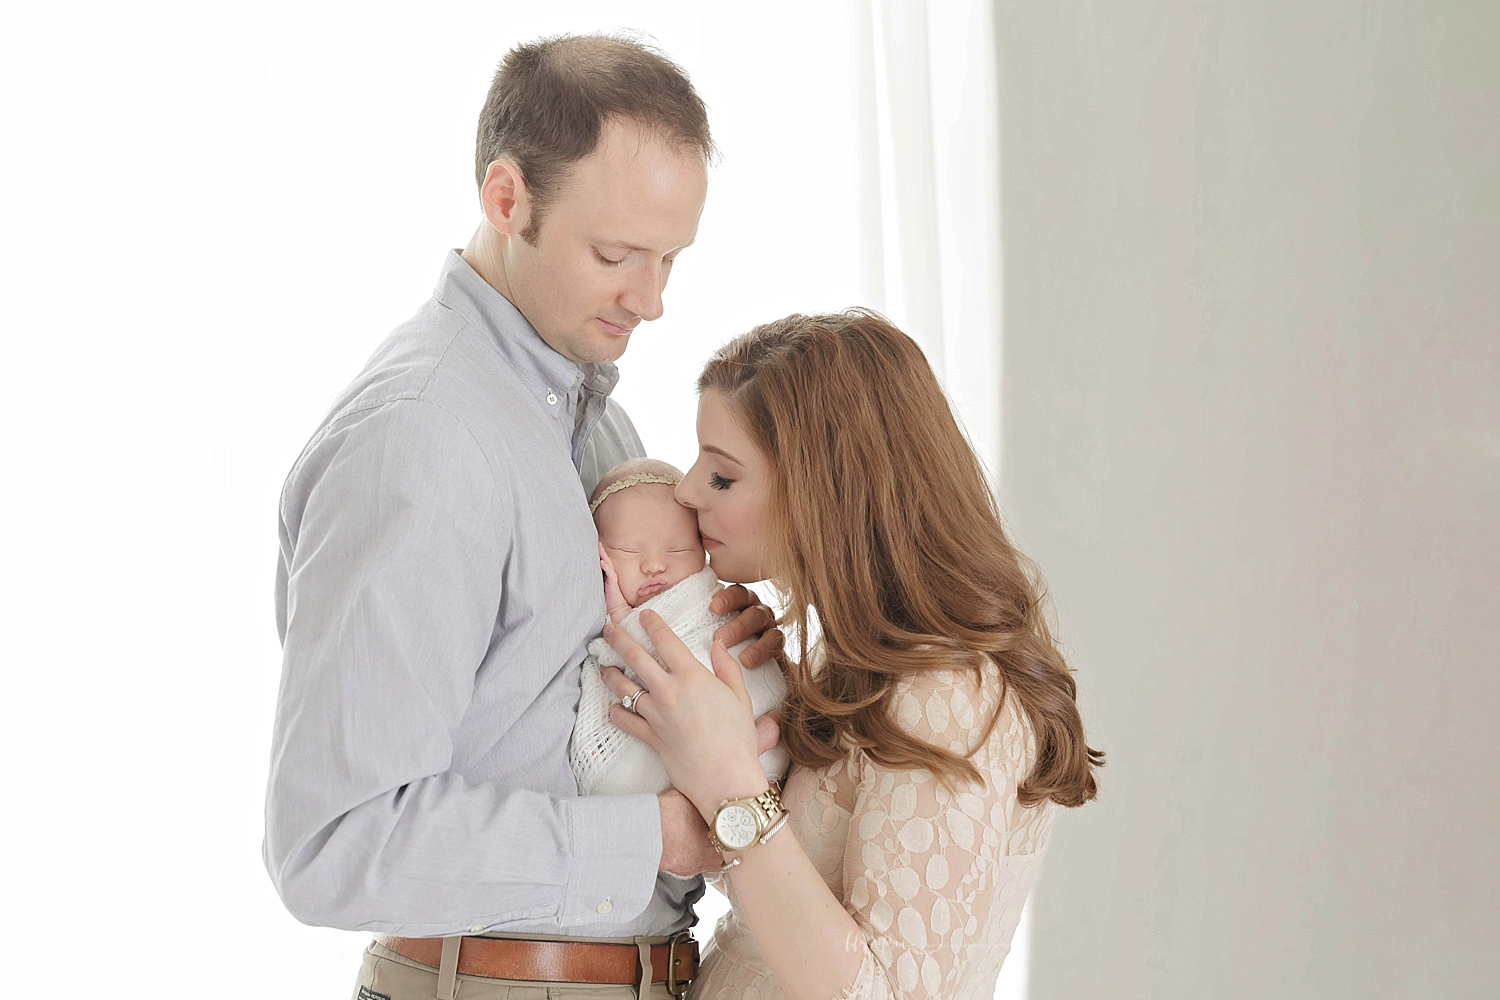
(769, 814)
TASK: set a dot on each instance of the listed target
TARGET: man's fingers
(733, 598)
(767, 732)
(752, 621)
(765, 649)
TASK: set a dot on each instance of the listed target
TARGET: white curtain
(929, 139)
(928, 128)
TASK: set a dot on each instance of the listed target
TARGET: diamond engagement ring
(628, 702)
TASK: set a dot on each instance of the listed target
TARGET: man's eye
(607, 261)
(718, 482)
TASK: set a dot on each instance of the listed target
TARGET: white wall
(210, 215)
(1252, 434)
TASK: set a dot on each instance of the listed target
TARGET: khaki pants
(385, 975)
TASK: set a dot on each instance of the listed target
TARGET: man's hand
(684, 836)
(755, 619)
(685, 849)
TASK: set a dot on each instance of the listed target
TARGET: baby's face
(651, 538)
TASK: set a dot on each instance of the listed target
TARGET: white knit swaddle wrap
(609, 761)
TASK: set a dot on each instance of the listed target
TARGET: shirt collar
(461, 289)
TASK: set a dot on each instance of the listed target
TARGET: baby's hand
(614, 599)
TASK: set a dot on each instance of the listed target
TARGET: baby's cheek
(630, 581)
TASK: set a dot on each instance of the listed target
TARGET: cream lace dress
(935, 880)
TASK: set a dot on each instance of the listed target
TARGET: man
(439, 577)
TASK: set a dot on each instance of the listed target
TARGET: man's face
(608, 238)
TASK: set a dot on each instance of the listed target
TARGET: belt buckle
(677, 987)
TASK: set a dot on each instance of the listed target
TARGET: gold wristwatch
(741, 823)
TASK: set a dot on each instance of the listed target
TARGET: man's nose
(643, 297)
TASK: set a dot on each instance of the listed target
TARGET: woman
(930, 718)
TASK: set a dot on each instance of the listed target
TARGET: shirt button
(551, 398)
(605, 905)
(475, 928)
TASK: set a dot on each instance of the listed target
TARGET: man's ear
(504, 198)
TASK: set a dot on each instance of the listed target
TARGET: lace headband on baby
(635, 480)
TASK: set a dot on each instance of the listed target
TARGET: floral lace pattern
(935, 879)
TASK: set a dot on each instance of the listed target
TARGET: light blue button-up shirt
(438, 586)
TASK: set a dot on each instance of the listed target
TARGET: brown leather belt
(674, 963)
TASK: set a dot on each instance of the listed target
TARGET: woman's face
(729, 488)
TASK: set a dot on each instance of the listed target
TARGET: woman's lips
(709, 544)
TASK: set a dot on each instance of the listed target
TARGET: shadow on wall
(1253, 439)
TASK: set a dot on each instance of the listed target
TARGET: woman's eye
(718, 482)
(607, 261)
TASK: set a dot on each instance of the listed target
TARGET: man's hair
(551, 98)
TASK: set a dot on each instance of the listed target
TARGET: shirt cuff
(615, 847)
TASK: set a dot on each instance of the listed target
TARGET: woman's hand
(755, 619)
(701, 723)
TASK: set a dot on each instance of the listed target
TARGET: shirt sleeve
(935, 878)
(394, 539)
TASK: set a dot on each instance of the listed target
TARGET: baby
(652, 557)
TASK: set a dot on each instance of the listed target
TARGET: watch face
(735, 827)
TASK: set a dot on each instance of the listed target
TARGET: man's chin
(598, 351)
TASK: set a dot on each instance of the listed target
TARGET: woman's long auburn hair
(888, 533)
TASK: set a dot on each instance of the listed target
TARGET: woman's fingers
(642, 662)
(619, 685)
(728, 670)
(631, 721)
(673, 651)
(635, 725)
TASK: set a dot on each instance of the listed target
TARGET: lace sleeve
(935, 879)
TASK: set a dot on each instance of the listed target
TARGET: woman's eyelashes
(718, 482)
